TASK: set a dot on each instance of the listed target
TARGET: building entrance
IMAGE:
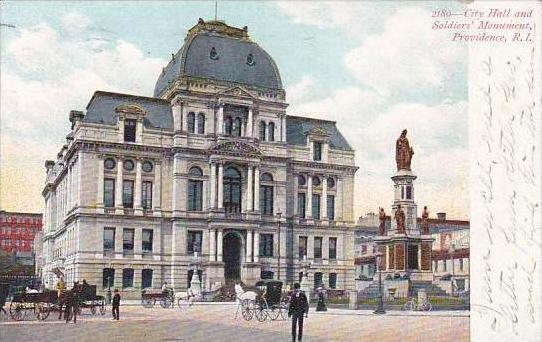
(232, 248)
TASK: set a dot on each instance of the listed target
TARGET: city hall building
(210, 176)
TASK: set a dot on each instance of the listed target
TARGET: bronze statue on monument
(425, 223)
(382, 227)
(403, 152)
(400, 219)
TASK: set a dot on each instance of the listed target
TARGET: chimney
(441, 216)
(49, 164)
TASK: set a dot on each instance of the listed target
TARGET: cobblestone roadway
(216, 323)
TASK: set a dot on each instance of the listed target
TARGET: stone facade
(210, 177)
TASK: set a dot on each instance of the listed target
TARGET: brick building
(17, 231)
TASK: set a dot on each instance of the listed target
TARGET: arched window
(236, 130)
(232, 190)
(271, 131)
(316, 181)
(262, 130)
(301, 180)
(330, 183)
(227, 125)
(266, 194)
(201, 123)
(195, 189)
(191, 122)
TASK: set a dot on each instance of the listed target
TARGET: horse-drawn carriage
(268, 301)
(88, 299)
(150, 297)
(40, 304)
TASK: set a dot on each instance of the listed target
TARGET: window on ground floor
(266, 245)
(146, 278)
(108, 277)
(333, 280)
(127, 278)
(266, 274)
(317, 279)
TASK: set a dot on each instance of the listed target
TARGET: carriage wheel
(93, 308)
(283, 310)
(17, 311)
(165, 302)
(102, 307)
(147, 302)
(183, 303)
(260, 311)
(247, 309)
(274, 314)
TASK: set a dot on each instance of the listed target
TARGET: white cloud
(75, 21)
(45, 74)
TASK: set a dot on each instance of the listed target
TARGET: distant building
(451, 242)
(17, 231)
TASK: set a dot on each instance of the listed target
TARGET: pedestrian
(68, 302)
(75, 301)
(299, 307)
(116, 304)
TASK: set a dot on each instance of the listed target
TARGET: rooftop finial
(216, 10)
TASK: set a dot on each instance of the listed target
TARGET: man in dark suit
(299, 307)
(116, 305)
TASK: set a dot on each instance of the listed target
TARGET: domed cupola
(215, 51)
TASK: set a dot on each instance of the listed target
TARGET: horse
(241, 295)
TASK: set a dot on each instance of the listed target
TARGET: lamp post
(380, 308)
(278, 259)
(109, 288)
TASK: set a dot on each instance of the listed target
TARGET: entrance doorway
(231, 250)
(413, 257)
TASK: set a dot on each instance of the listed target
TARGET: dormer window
(317, 151)
(130, 130)
(213, 54)
(250, 60)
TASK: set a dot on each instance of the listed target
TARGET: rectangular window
(127, 278)
(461, 264)
(302, 247)
(194, 242)
(195, 191)
(331, 207)
(266, 245)
(146, 195)
(109, 239)
(130, 130)
(128, 240)
(317, 247)
(316, 207)
(266, 200)
(128, 194)
(409, 192)
(317, 151)
(108, 277)
(301, 205)
(146, 278)
(146, 242)
(109, 193)
(332, 248)
(333, 280)
(317, 279)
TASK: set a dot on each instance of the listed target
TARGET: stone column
(80, 179)
(138, 210)
(308, 208)
(388, 257)
(323, 200)
(256, 190)
(339, 200)
(139, 131)
(283, 122)
(118, 187)
(157, 190)
(256, 246)
(212, 244)
(250, 122)
(121, 129)
(219, 245)
(296, 191)
(220, 186)
(175, 205)
(250, 199)
(249, 246)
(100, 192)
(177, 117)
(213, 185)
(220, 119)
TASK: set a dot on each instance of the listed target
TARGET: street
(217, 323)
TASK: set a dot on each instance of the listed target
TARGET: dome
(214, 50)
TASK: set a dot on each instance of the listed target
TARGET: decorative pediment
(237, 91)
(237, 147)
(318, 131)
(130, 109)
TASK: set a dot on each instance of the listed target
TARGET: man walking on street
(116, 305)
(299, 307)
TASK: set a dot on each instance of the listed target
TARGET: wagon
(39, 304)
(89, 299)
(270, 302)
(149, 298)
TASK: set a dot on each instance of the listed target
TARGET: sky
(373, 67)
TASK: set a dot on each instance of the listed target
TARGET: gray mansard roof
(298, 127)
(101, 109)
(230, 63)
